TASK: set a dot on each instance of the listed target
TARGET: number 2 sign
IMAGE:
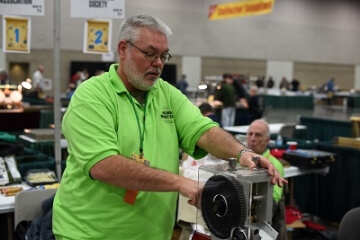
(16, 34)
(97, 36)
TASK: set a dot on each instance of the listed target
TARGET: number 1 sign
(16, 34)
(97, 36)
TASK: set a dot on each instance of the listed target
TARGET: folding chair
(28, 204)
(288, 130)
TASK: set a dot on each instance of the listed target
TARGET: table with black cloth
(353, 101)
(324, 129)
(46, 146)
(13, 120)
(289, 102)
(331, 196)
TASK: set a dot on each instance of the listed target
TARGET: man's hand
(191, 189)
(246, 159)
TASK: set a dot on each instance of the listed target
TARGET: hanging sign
(240, 9)
(98, 9)
(97, 36)
(22, 7)
(16, 34)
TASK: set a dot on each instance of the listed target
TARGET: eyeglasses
(152, 56)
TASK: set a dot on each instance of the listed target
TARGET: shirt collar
(266, 153)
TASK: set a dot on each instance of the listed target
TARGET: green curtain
(325, 129)
(353, 101)
(46, 118)
(289, 102)
(332, 195)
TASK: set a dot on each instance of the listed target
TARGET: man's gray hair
(266, 126)
(130, 28)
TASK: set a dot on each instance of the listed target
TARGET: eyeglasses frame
(167, 56)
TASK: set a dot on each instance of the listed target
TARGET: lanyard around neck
(141, 133)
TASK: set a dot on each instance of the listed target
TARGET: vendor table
(289, 102)
(273, 127)
(353, 101)
(45, 146)
(6, 212)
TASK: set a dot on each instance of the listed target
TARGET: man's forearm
(220, 143)
(123, 172)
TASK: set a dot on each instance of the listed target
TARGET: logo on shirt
(167, 115)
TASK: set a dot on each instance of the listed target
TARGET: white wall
(278, 70)
(191, 67)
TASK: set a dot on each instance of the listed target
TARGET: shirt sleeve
(190, 123)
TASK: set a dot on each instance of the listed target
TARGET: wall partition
(317, 74)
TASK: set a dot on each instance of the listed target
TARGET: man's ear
(122, 47)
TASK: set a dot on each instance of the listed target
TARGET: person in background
(182, 84)
(260, 82)
(255, 104)
(270, 82)
(38, 81)
(70, 90)
(99, 72)
(295, 84)
(330, 90)
(241, 90)
(284, 84)
(208, 111)
(227, 95)
(84, 75)
(124, 129)
(75, 77)
(258, 137)
(4, 78)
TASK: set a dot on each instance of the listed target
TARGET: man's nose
(157, 62)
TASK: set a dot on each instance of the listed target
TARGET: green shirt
(100, 122)
(227, 95)
(278, 191)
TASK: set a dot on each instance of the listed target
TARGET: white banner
(22, 7)
(97, 9)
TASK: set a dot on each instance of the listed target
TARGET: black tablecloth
(331, 196)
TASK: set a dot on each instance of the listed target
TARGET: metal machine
(236, 202)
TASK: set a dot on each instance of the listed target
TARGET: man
(208, 111)
(284, 84)
(38, 80)
(270, 82)
(258, 137)
(226, 94)
(124, 129)
(295, 84)
(330, 89)
(4, 78)
(182, 84)
(255, 105)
